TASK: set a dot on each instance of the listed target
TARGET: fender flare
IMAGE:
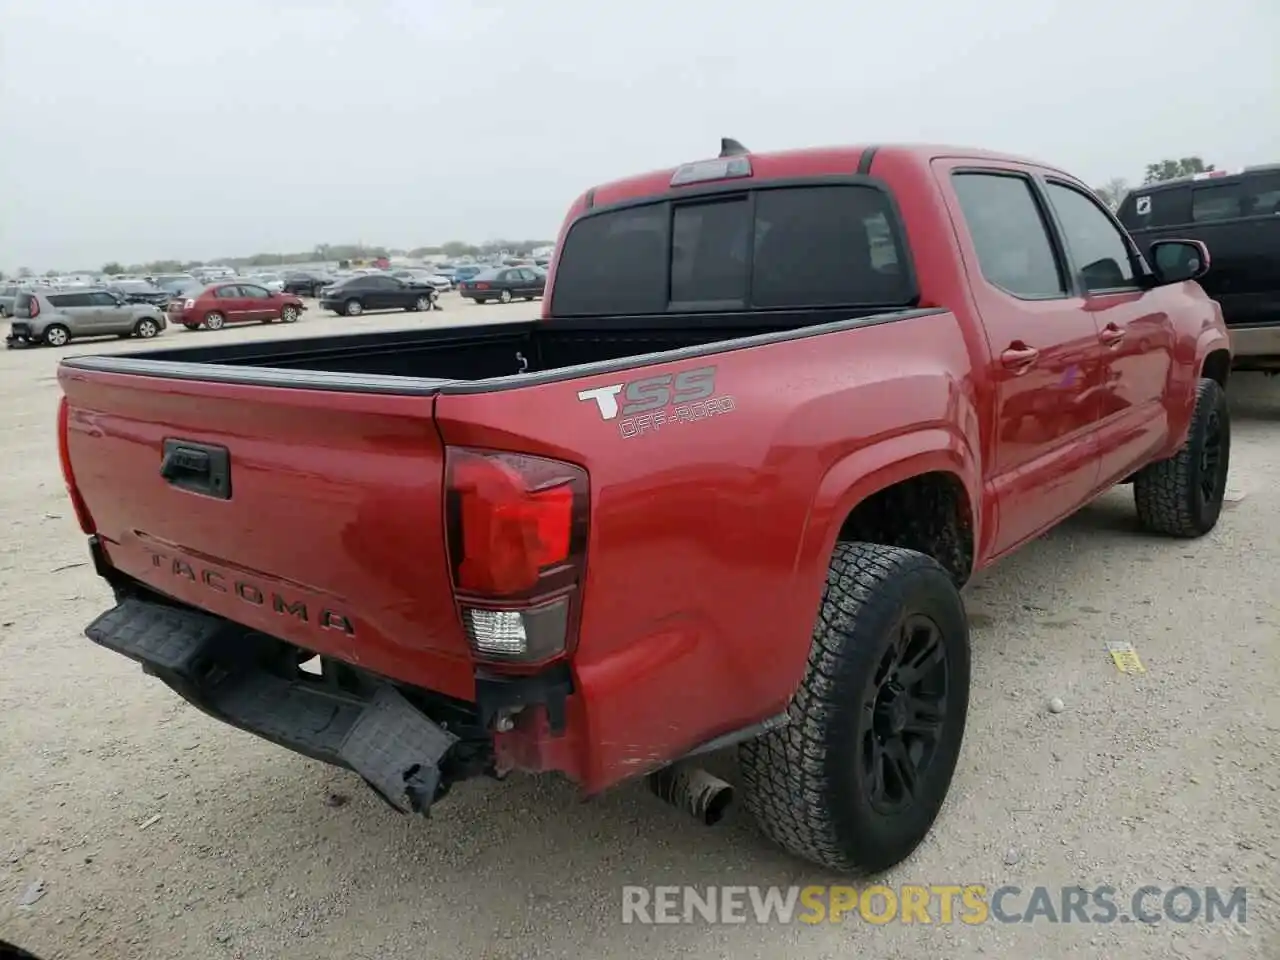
(868, 470)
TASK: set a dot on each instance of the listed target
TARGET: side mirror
(1176, 261)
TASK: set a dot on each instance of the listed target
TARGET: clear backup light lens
(724, 168)
(188, 305)
(527, 635)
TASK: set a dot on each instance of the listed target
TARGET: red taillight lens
(64, 461)
(35, 307)
(481, 286)
(512, 519)
(517, 528)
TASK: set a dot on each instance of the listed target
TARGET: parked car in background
(1237, 216)
(242, 302)
(167, 281)
(139, 291)
(55, 317)
(304, 283)
(8, 294)
(272, 281)
(377, 292)
(504, 284)
(442, 283)
(184, 289)
(467, 271)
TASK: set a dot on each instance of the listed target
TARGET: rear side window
(1009, 234)
(1167, 207)
(783, 247)
(1250, 196)
(827, 246)
(69, 299)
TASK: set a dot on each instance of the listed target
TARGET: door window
(254, 293)
(101, 298)
(227, 293)
(1010, 235)
(1251, 196)
(1099, 249)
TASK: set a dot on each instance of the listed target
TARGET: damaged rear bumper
(253, 682)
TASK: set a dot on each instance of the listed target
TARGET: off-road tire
(804, 782)
(1170, 494)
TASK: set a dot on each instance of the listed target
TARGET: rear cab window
(784, 247)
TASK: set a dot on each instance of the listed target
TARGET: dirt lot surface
(158, 833)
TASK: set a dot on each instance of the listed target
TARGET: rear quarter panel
(710, 535)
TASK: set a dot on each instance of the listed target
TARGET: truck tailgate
(332, 534)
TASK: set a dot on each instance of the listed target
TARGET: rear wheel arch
(933, 468)
(930, 513)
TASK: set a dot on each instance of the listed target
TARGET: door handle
(1019, 356)
(1110, 335)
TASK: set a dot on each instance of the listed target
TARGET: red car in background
(234, 302)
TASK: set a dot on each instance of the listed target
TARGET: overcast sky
(202, 128)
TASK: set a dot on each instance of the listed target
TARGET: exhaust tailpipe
(693, 790)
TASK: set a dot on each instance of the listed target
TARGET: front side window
(1099, 249)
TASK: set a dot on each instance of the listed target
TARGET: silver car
(54, 317)
(8, 294)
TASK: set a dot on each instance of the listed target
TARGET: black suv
(1237, 215)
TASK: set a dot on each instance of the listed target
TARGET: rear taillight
(64, 461)
(517, 531)
(480, 286)
(34, 310)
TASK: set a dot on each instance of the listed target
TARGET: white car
(437, 280)
(272, 281)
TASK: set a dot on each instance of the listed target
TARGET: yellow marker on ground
(1125, 657)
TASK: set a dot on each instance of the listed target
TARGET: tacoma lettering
(252, 594)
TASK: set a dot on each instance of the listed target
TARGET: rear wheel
(353, 308)
(215, 321)
(1182, 496)
(505, 296)
(289, 314)
(56, 335)
(146, 328)
(855, 780)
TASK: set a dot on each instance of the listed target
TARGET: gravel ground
(159, 833)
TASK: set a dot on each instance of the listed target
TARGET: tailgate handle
(202, 468)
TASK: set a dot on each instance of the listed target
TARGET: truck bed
(428, 361)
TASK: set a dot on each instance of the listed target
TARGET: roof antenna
(730, 147)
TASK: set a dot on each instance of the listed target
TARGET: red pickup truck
(725, 491)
